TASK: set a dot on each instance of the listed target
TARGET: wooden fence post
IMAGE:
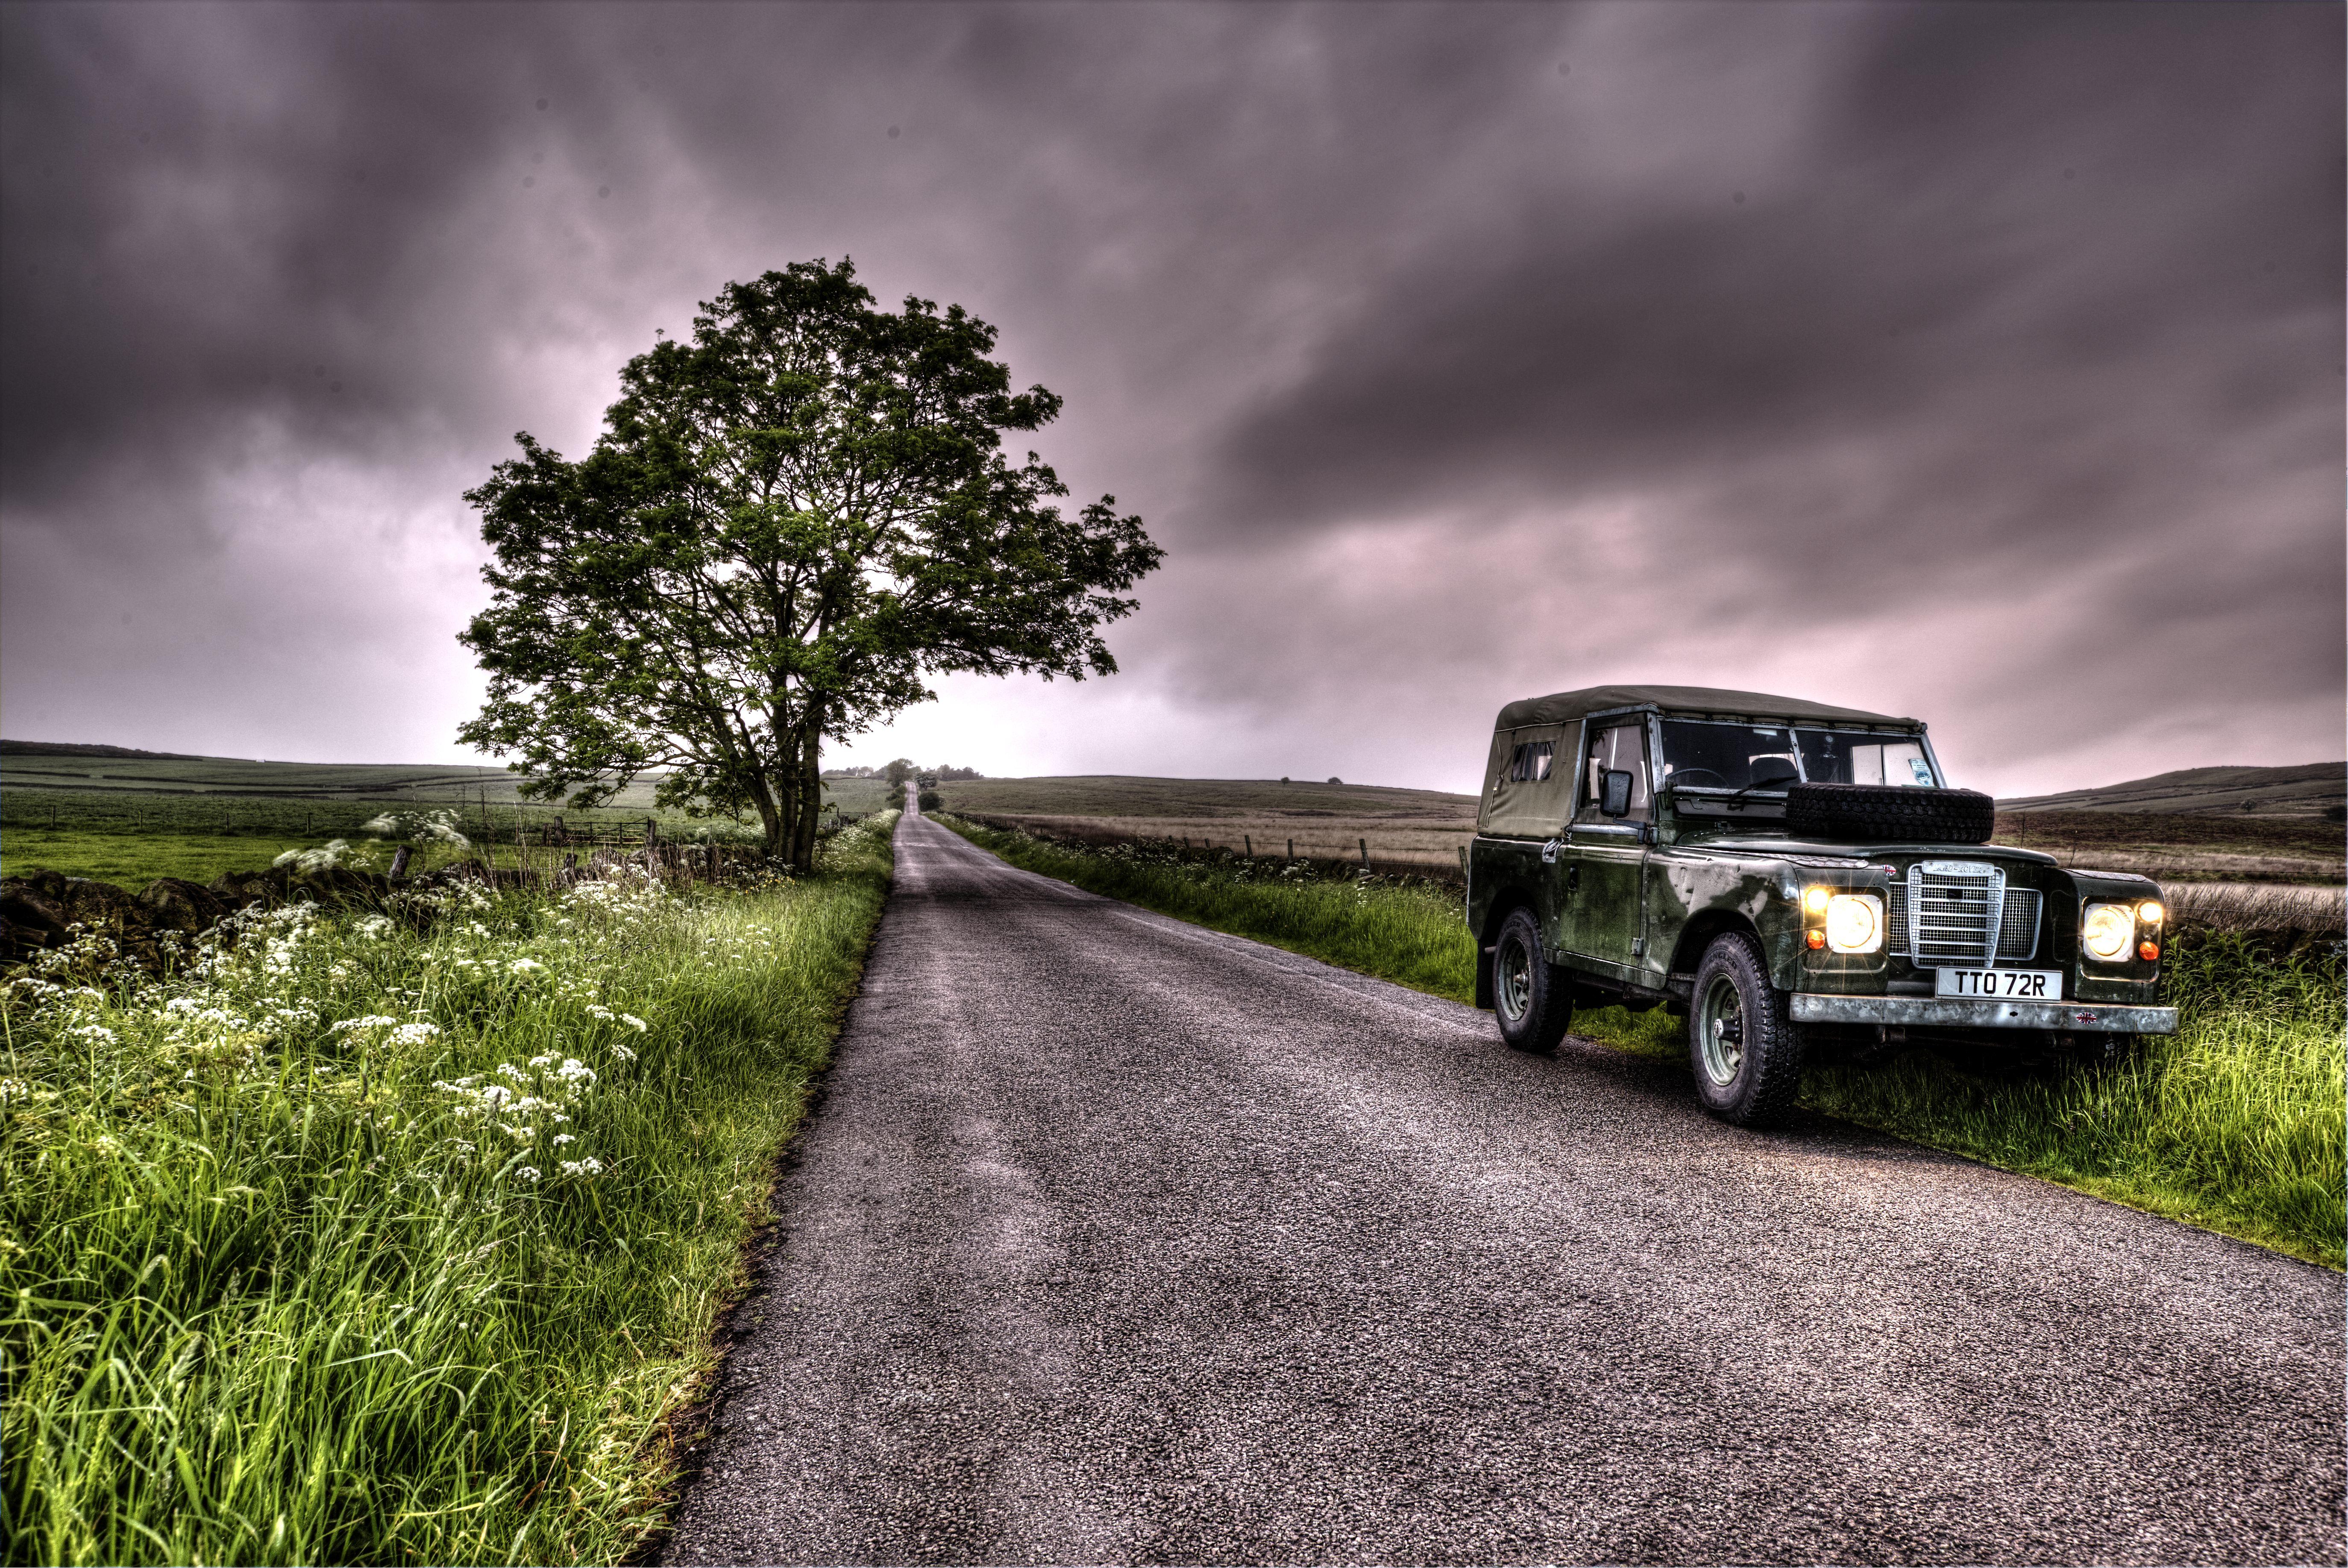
(1291, 849)
(1251, 845)
(1366, 853)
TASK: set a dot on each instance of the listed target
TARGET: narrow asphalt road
(1114, 1239)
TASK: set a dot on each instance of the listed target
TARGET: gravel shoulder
(1116, 1240)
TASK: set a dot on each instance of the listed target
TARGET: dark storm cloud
(1367, 309)
(2000, 224)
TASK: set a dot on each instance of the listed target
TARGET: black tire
(1879, 811)
(1533, 1002)
(1746, 1053)
(2100, 1053)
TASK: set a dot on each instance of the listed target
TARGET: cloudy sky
(1977, 362)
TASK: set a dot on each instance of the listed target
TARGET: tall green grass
(396, 1237)
(2235, 1123)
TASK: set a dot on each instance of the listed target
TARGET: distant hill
(2295, 791)
(65, 748)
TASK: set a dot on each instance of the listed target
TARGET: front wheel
(1534, 1006)
(1747, 1053)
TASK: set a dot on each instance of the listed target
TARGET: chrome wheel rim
(1512, 987)
(1720, 1031)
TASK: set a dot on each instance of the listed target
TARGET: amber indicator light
(2150, 952)
(1817, 939)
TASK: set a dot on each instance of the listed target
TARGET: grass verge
(396, 1237)
(2235, 1123)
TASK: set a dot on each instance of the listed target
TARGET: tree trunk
(810, 794)
(770, 820)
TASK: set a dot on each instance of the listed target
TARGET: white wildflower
(526, 1173)
(591, 1166)
(372, 1021)
(413, 1034)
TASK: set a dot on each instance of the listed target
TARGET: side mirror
(1614, 794)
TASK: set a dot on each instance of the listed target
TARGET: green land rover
(1791, 878)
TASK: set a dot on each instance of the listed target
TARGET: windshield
(1708, 754)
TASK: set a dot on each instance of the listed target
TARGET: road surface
(1114, 1239)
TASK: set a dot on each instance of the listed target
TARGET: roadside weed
(395, 1236)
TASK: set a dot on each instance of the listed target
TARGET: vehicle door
(1528, 796)
(1606, 851)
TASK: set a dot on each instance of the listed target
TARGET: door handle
(1549, 853)
(1573, 880)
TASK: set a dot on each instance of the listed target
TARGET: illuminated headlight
(1854, 923)
(2107, 931)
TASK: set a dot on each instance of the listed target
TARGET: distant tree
(1335, 780)
(788, 523)
(898, 771)
(932, 801)
(1283, 779)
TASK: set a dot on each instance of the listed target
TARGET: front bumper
(1960, 1012)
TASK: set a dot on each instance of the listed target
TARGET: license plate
(2019, 984)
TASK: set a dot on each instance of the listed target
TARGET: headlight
(1854, 923)
(2107, 931)
(2149, 911)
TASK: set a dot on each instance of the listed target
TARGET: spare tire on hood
(1880, 812)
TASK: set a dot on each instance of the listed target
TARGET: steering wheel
(1683, 776)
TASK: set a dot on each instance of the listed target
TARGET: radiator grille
(2017, 933)
(1957, 933)
(1954, 912)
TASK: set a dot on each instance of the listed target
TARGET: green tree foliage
(789, 522)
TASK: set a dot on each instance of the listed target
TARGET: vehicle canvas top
(1530, 775)
(1564, 707)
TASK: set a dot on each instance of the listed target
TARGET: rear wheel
(1746, 1052)
(1535, 1007)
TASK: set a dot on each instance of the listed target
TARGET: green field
(255, 780)
(130, 836)
(2235, 1123)
(399, 1240)
(1199, 799)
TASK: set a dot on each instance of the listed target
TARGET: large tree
(788, 524)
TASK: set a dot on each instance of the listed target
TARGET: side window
(1532, 760)
(1622, 747)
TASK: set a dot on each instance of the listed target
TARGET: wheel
(1864, 811)
(1747, 1053)
(1533, 1000)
